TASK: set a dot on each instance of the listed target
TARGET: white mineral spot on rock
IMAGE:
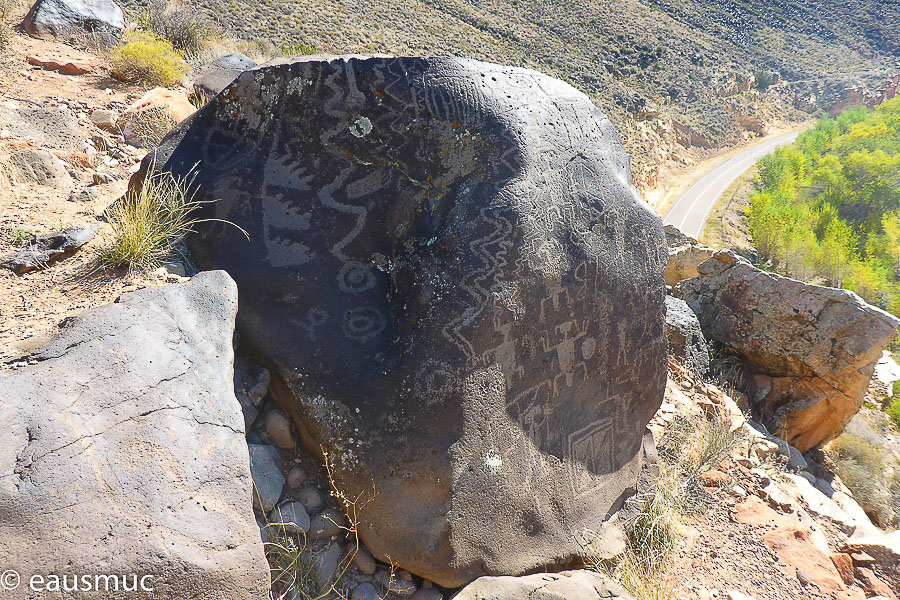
(361, 127)
(493, 461)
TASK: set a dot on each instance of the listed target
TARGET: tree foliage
(827, 208)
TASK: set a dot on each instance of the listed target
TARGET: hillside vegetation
(676, 76)
(828, 207)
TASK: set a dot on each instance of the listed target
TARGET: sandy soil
(33, 304)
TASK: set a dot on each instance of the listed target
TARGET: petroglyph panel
(459, 290)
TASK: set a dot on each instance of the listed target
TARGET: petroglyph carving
(448, 266)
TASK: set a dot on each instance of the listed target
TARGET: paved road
(690, 211)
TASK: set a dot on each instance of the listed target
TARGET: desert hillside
(677, 77)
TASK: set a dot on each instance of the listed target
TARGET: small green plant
(893, 409)
(185, 27)
(15, 236)
(147, 58)
(763, 80)
(298, 49)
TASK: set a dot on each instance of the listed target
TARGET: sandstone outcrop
(123, 452)
(809, 351)
(457, 292)
(685, 255)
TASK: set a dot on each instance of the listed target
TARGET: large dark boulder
(458, 292)
(123, 453)
(51, 19)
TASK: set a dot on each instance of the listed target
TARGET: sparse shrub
(763, 80)
(147, 58)
(147, 128)
(147, 225)
(187, 29)
(864, 468)
(7, 7)
(298, 49)
(893, 409)
(292, 557)
(292, 563)
(689, 447)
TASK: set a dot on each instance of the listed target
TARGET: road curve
(692, 208)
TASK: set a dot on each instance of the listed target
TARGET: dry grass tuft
(871, 474)
(149, 224)
(146, 128)
(689, 447)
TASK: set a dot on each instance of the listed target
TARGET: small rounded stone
(296, 477)
(326, 524)
(364, 561)
(311, 499)
(427, 594)
(278, 426)
(365, 591)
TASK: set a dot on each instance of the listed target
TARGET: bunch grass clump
(147, 128)
(147, 58)
(148, 224)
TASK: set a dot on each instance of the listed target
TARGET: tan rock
(810, 350)
(175, 102)
(873, 585)
(879, 552)
(844, 565)
(685, 255)
(798, 554)
(65, 60)
(715, 478)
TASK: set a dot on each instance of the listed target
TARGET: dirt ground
(33, 304)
